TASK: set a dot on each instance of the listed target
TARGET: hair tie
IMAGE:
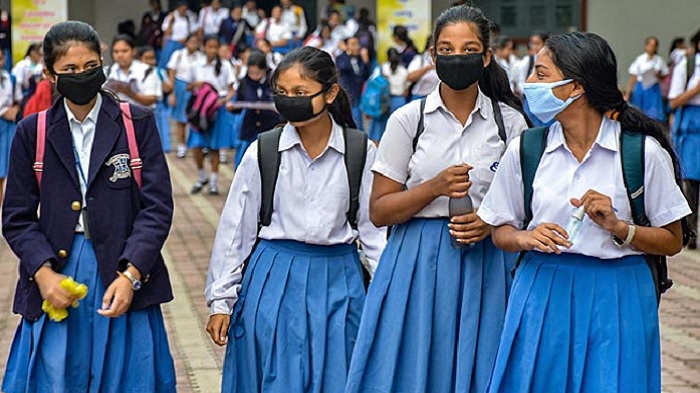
(615, 114)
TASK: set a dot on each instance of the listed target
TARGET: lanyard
(78, 164)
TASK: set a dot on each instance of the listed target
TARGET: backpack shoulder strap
(421, 124)
(355, 159)
(135, 163)
(532, 145)
(632, 156)
(40, 146)
(689, 67)
(269, 164)
(498, 116)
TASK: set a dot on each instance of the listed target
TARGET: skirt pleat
(295, 321)
(162, 114)
(649, 101)
(433, 314)
(182, 96)
(580, 324)
(686, 141)
(87, 352)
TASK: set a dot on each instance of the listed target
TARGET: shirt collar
(92, 115)
(607, 136)
(290, 138)
(434, 101)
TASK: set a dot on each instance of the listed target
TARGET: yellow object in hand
(79, 291)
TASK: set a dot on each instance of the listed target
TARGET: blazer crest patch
(120, 162)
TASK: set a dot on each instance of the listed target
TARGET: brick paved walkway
(199, 362)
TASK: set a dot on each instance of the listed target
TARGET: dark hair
(401, 32)
(34, 46)
(127, 27)
(675, 44)
(210, 37)
(544, 36)
(394, 58)
(695, 41)
(257, 58)
(501, 42)
(123, 38)
(588, 59)
(318, 65)
(494, 83)
(142, 50)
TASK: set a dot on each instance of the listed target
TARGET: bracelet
(631, 229)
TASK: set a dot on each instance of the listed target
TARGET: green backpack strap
(355, 159)
(269, 164)
(421, 124)
(532, 145)
(498, 116)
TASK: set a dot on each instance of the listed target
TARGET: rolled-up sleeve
(396, 148)
(504, 202)
(663, 199)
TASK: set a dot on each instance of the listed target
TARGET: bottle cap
(578, 214)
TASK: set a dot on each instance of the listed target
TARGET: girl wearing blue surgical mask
(434, 311)
(583, 315)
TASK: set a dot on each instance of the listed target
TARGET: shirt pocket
(486, 164)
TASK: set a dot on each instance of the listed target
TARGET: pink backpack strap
(136, 164)
(40, 146)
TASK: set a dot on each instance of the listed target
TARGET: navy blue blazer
(126, 225)
(256, 121)
(350, 79)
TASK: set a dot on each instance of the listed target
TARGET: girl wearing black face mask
(434, 312)
(302, 292)
(103, 222)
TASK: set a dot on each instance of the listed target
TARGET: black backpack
(532, 145)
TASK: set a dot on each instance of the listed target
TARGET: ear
(48, 75)
(432, 53)
(332, 93)
(578, 90)
(487, 57)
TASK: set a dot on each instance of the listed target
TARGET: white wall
(627, 23)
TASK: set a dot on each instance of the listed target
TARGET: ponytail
(217, 67)
(341, 110)
(494, 83)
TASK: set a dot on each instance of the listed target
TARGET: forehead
(295, 77)
(545, 63)
(459, 34)
(78, 54)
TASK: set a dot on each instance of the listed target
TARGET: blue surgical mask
(533, 119)
(542, 102)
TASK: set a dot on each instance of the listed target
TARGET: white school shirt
(182, 62)
(678, 80)
(445, 142)
(183, 25)
(206, 72)
(24, 69)
(251, 16)
(429, 81)
(210, 21)
(296, 20)
(8, 94)
(83, 136)
(140, 79)
(398, 79)
(508, 69)
(275, 30)
(521, 73)
(310, 206)
(561, 177)
(645, 69)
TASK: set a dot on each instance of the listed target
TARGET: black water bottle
(460, 207)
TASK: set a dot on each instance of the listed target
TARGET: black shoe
(693, 243)
(198, 185)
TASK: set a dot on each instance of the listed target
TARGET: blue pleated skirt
(295, 323)
(7, 132)
(376, 128)
(686, 140)
(649, 101)
(182, 96)
(357, 116)
(87, 352)
(580, 324)
(219, 136)
(433, 315)
(162, 114)
(169, 47)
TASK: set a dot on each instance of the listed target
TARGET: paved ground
(198, 361)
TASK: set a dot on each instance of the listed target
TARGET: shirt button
(63, 254)
(258, 124)
(75, 206)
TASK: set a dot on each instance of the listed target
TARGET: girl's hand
(469, 228)
(49, 283)
(217, 327)
(222, 102)
(117, 298)
(453, 181)
(172, 101)
(547, 237)
(599, 209)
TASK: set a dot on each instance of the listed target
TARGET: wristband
(631, 229)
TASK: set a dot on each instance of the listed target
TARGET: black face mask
(81, 88)
(297, 109)
(459, 71)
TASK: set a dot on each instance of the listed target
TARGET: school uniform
(87, 352)
(434, 313)
(162, 112)
(585, 320)
(183, 62)
(521, 71)
(273, 30)
(353, 72)
(24, 72)
(221, 134)
(141, 78)
(647, 92)
(210, 20)
(398, 83)
(183, 26)
(428, 82)
(10, 93)
(296, 20)
(295, 315)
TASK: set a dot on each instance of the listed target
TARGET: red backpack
(202, 107)
(135, 163)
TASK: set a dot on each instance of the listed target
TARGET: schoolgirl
(354, 68)
(10, 95)
(255, 87)
(397, 76)
(434, 311)
(220, 75)
(177, 26)
(147, 55)
(293, 324)
(102, 222)
(643, 90)
(180, 71)
(421, 73)
(684, 98)
(27, 72)
(132, 80)
(582, 315)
